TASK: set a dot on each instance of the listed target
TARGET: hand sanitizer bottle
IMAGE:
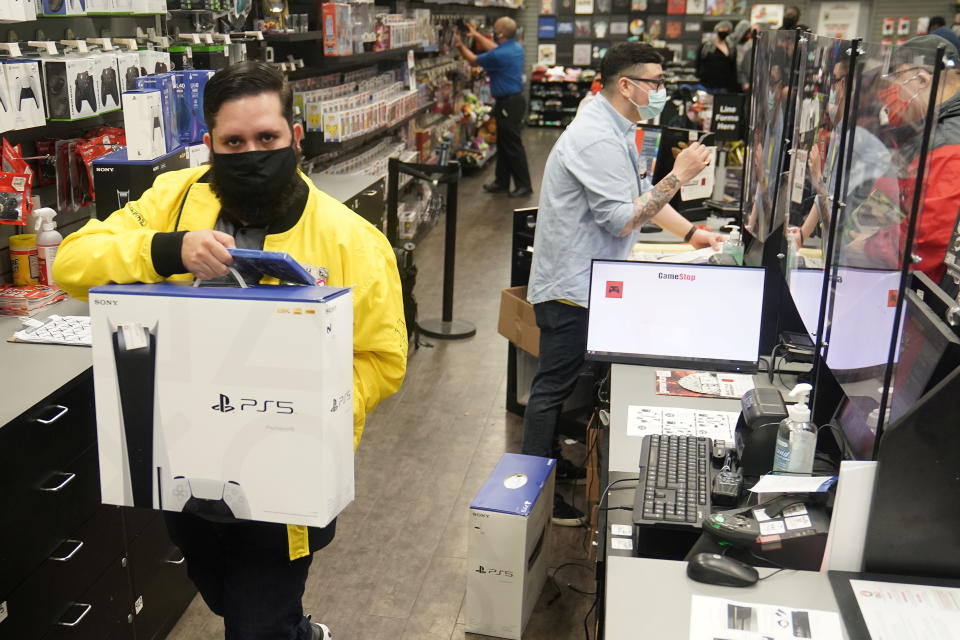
(733, 245)
(797, 436)
(48, 241)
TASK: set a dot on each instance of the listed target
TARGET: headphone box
(144, 123)
(119, 179)
(22, 80)
(224, 401)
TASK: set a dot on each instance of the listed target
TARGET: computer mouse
(712, 568)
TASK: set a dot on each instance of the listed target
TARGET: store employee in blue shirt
(503, 62)
(594, 198)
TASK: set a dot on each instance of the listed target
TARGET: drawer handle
(79, 618)
(176, 562)
(78, 545)
(60, 414)
(369, 193)
(67, 479)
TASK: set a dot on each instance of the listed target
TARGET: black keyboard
(674, 484)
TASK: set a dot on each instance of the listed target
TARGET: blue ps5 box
(166, 84)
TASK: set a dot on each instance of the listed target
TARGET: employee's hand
(471, 29)
(815, 165)
(691, 161)
(457, 42)
(204, 253)
(701, 239)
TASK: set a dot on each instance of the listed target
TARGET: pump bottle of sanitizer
(797, 436)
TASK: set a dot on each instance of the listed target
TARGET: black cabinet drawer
(136, 520)
(103, 612)
(44, 514)
(45, 594)
(47, 436)
(159, 575)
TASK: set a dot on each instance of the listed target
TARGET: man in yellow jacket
(252, 196)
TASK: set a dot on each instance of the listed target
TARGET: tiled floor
(397, 569)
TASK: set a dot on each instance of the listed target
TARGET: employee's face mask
(251, 182)
(656, 100)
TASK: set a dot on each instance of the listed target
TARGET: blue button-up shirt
(589, 184)
(504, 65)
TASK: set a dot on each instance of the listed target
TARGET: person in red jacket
(905, 101)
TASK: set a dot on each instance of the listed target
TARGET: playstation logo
(224, 405)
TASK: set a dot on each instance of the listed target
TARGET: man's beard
(258, 210)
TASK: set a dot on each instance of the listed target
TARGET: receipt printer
(762, 411)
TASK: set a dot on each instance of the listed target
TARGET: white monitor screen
(666, 314)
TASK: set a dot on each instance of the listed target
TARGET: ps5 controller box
(225, 402)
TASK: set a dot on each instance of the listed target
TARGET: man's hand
(691, 161)
(471, 29)
(457, 42)
(701, 239)
(204, 253)
(815, 165)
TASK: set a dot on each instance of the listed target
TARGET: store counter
(648, 598)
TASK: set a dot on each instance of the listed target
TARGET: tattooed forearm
(649, 204)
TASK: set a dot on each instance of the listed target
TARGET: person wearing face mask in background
(594, 199)
(717, 61)
(904, 102)
(742, 40)
(791, 19)
(502, 59)
(252, 196)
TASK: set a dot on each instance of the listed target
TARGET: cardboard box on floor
(517, 323)
(225, 402)
(508, 545)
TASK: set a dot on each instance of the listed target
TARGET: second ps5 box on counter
(225, 402)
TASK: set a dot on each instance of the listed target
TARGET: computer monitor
(928, 351)
(806, 289)
(648, 143)
(653, 313)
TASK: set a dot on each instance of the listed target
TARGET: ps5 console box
(225, 402)
(166, 84)
(118, 179)
(507, 545)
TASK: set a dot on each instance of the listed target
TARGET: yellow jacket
(327, 234)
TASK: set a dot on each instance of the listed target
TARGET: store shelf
(303, 36)
(320, 65)
(465, 8)
(314, 145)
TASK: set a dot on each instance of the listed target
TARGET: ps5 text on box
(225, 402)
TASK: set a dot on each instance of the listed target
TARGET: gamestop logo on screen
(614, 288)
(688, 277)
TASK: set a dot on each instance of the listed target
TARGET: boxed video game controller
(62, 7)
(7, 117)
(26, 93)
(144, 123)
(71, 88)
(165, 83)
(190, 87)
(17, 10)
(128, 69)
(107, 81)
(225, 402)
(153, 61)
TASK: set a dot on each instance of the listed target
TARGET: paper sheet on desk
(698, 256)
(676, 421)
(722, 619)
(894, 611)
(772, 483)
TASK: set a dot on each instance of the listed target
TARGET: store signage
(729, 115)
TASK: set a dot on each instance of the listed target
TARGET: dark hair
(936, 21)
(792, 12)
(624, 55)
(248, 78)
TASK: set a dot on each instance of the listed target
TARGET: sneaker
(569, 473)
(493, 187)
(522, 192)
(320, 631)
(565, 515)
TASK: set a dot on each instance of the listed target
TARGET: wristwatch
(693, 230)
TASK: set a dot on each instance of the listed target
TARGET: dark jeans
(511, 157)
(243, 579)
(563, 341)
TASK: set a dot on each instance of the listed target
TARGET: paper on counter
(793, 484)
(894, 611)
(675, 421)
(719, 618)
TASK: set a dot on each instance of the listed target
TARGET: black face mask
(251, 185)
(723, 34)
(789, 23)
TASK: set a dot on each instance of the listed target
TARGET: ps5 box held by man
(225, 402)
